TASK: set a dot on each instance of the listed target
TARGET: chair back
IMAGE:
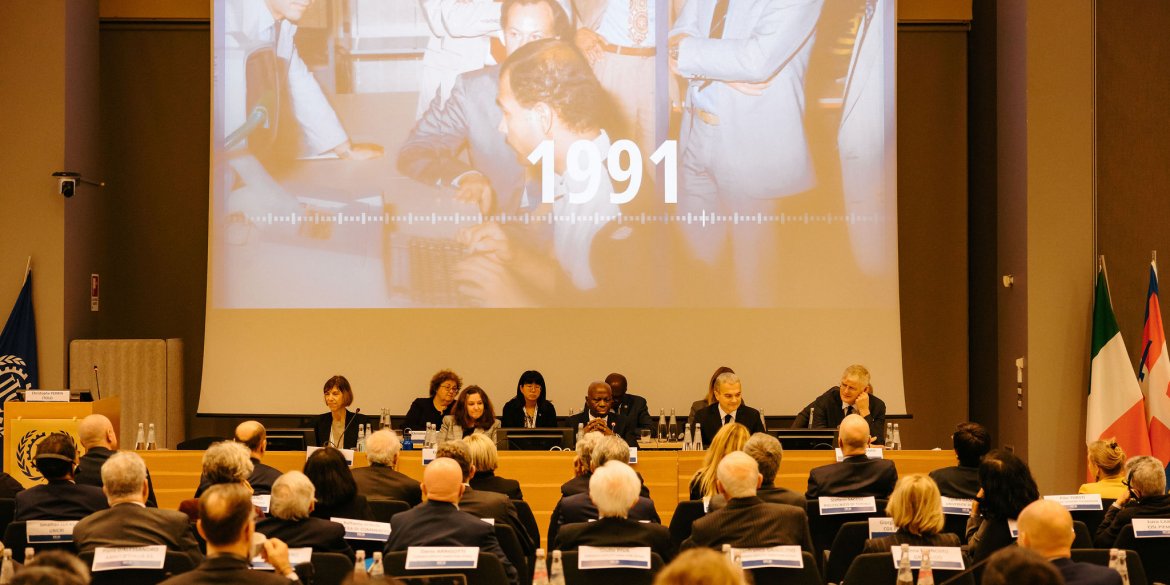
(330, 568)
(528, 521)
(1100, 556)
(849, 543)
(1154, 552)
(489, 569)
(624, 576)
(807, 575)
(176, 563)
(1082, 538)
(7, 513)
(824, 528)
(16, 539)
(683, 519)
(384, 509)
(510, 543)
(956, 524)
(1092, 518)
(878, 569)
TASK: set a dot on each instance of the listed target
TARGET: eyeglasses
(449, 387)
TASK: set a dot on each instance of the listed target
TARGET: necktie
(849, 410)
(727, 419)
(639, 23)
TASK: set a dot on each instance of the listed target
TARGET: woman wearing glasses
(529, 409)
(445, 386)
(337, 428)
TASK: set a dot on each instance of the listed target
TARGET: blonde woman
(1106, 462)
(486, 459)
(729, 439)
(916, 508)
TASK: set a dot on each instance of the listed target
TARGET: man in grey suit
(380, 479)
(128, 522)
(742, 142)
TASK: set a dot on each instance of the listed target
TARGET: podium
(26, 423)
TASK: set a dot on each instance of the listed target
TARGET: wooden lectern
(26, 423)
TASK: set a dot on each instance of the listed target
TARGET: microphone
(356, 412)
(97, 383)
(811, 411)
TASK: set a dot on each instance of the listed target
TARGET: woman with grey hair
(223, 462)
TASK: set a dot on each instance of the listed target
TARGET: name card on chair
(428, 455)
(364, 529)
(613, 557)
(1151, 527)
(347, 453)
(957, 506)
(1013, 528)
(441, 557)
(879, 527)
(633, 455)
(833, 506)
(263, 502)
(787, 556)
(42, 531)
(1074, 502)
(46, 396)
(107, 558)
(296, 556)
(946, 558)
(870, 452)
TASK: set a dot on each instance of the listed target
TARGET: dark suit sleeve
(511, 415)
(416, 418)
(629, 432)
(489, 544)
(641, 416)
(527, 541)
(877, 419)
(546, 415)
(431, 153)
(187, 544)
(1109, 528)
(814, 487)
(755, 423)
(321, 428)
(801, 420)
(820, 416)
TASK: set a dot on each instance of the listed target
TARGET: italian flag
(1116, 405)
(1154, 371)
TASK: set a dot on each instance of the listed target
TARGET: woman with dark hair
(336, 491)
(709, 399)
(337, 427)
(529, 409)
(1006, 488)
(445, 385)
(473, 413)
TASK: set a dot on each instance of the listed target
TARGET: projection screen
(574, 186)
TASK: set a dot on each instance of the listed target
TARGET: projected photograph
(553, 153)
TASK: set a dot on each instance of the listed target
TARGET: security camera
(67, 186)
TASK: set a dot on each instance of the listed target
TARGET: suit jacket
(749, 523)
(883, 544)
(710, 419)
(452, 431)
(381, 481)
(616, 532)
(513, 414)
(635, 408)
(442, 524)
(316, 533)
(499, 507)
(422, 411)
(1115, 520)
(767, 492)
(261, 480)
(9, 487)
(580, 508)
(324, 425)
(59, 500)
(957, 481)
(89, 472)
(986, 535)
(1086, 573)
(830, 411)
(225, 568)
(488, 481)
(580, 485)
(622, 426)
(856, 476)
(358, 508)
(134, 525)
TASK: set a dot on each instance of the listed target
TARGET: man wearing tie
(853, 396)
(728, 408)
(598, 416)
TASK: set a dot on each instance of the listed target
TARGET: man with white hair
(1046, 528)
(293, 499)
(591, 454)
(380, 479)
(254, 436)
(100, 442)
(856, 475)
(1146, 498)
(747, 521)
(580, 508)
(854, 395)
(613, 489)
(128, 522)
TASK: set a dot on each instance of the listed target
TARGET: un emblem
(27, 447)
(13, 375)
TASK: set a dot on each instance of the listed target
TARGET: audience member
(128, 522)
(9, 487)
(599, 416)
(289, 518)
(473, 413)
(1008, 487)
(529, 409)
(916, 508)
(445, 385)
(971, 442)
(580, 508)
(767, 452)
(59, 562)
(700, 566)
(728, 408)
(223, 462)
(337, 493)
(381, 479)
(486, 504)
(1046, 528)
(438, 520)
(45, 576)
(631, 406)
(613, 489)
(226, 522)
(856, 475)
(1145, 498)
(60, 498)
(582, 465)
(709, 399)
(729, 439)
(747, 521)
(1106, 462)
(254, 436)
(97, 436)
(854, 395)
(486, 459)
(1015, 566)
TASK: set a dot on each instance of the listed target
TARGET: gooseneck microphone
(97, 383)
(341, 440)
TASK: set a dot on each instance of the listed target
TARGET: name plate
(364, 529)
(441, 557)
(418, 437)
(946, 558)
(957, 506)
(1074, 502)
(787, 556)
(870, 452)
(42, 531)
(1013, 528)
(296, 556)
(347, 453)
(428, 455)
(879, 527)
(613, 557)
(46, 396)
(1151, 527)
(132, 557)
(633, 455)
(491, 521)
(833, 506)
(262, 502)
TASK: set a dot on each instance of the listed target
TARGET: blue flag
(18, 348)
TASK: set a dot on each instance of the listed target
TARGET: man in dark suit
(100, 441)
(613, 490)
(484, 504)
(129, 522)
(856, 475)
(289, 518)
(853, 396)
(1046, 528)
(728, 408)
(971, 442)
(599, 416)
(767, 452)
(254, 436)
(439, 521)
(631, 406)
(747, 521)
(61, 498)
(380, 480)
(225, 522)
(1146, 498)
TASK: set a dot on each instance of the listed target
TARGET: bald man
(439, 522)
(856, 475)
(1046, 528)
(100, 442)
(254, 436)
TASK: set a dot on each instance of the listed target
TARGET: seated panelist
(473, 413)
(445, 385)
(599, 417)
(853, 396)
(530, 408)
(728, 408)
(337, 428)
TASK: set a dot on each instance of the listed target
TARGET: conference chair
(7, 512)
(1100, 556)
(489, 570)
(1154, 552)
(176, 563)
(683, 519)
(824, 528)
(528, 521)
(510, 543)
(624, 576)
(384, 509)
(1092, 518)
(554, 525)
(806, 575)
(16, 539)
(957, 525)
(330, 568)
(1082, 538)
(849, 543)
(878, 569)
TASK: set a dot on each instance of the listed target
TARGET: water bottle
(1123, 567)
(407, 442)
(540, 571)
(727, 551)
(150, 442)
(384, 420)
(662, 424)
(140, 439)
(6, 570)
(688, 437)
(557, 575)
(377, 570)
(359, 567)
(763, 420)
(889, 435)
(672, 429)
(925, 575)
(812, 410)
(361, 441)
(897, 437)
(905, 577)
(698, 444)
(580, 431)
(28, 554)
